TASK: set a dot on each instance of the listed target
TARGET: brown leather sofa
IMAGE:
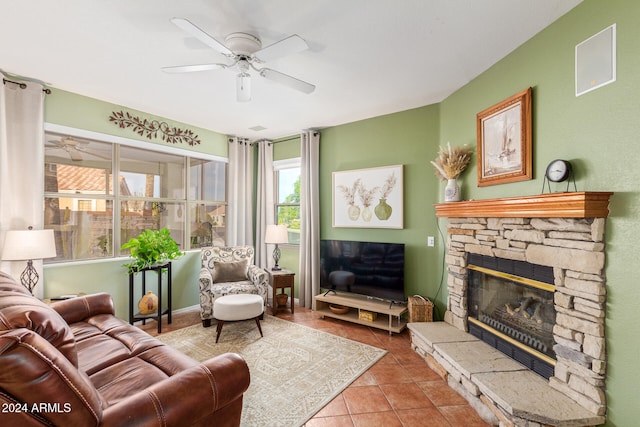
(73, 363)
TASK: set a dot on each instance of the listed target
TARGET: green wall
(409, 138)
(598, 133)
(286, 148)
(81, 112)
(111, 277)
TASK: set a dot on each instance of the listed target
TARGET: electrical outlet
(431, 241)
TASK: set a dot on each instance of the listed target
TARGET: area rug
(295, 370)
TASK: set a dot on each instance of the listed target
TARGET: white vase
(452, 191)
(366, 214)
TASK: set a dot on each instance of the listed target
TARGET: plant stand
(160, 311)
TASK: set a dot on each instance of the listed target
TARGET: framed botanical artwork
(368, 198)
(504, 141)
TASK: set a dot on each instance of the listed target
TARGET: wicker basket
(420, 309)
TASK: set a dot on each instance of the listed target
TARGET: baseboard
(180, 310)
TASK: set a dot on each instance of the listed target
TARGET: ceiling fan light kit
(245, 50)
(243, 87)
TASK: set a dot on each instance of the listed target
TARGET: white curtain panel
(264, 200)
(240, 208)
(309, 274)
(21, 166)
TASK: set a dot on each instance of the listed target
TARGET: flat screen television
(365, 268)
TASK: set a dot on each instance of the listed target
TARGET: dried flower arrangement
(366, 196)
(349, 194)
(451, 162)
(389, 183)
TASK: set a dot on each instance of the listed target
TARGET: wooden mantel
(579, 204)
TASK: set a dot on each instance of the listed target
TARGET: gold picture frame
(504, 141)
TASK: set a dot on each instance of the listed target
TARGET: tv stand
(389, 321)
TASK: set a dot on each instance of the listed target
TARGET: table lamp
(27, 245)
(276, 234)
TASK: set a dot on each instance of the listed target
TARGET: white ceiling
(366, 57)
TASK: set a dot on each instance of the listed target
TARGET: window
(154, 190)
(207, 207)
(287, 183)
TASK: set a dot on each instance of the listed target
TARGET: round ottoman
(237, 307)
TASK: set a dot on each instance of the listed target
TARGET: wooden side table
(280, 280)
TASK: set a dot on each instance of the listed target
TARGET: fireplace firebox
(511, 307)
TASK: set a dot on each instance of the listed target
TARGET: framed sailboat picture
(504, 141)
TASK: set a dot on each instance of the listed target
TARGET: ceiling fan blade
(93, 153)
(190, 28)
(287, 80)
(192, 68)
(290, 45)
(74, 154)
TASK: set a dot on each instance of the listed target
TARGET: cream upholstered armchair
(227, 271)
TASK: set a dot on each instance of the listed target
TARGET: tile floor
(399, 390)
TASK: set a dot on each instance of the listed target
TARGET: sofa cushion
(230, 271)
(19, 309)
(233, 288)
(121, 380)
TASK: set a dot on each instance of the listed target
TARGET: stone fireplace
(562, 234)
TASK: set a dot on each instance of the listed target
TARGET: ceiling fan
(74, 148)
(246, 53)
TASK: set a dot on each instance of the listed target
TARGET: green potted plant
(151, 247)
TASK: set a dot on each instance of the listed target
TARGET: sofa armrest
(205, 279)
(34, 373)
(187, 398)
(205, 282)
(260, 279)
(77, 309)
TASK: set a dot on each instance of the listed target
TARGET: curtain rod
(245, 140)
(284, 140)
(290, 139)
(23, 85)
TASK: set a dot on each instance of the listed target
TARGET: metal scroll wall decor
(151, 128)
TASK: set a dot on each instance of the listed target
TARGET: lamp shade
(20, 245)
(276, 234)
